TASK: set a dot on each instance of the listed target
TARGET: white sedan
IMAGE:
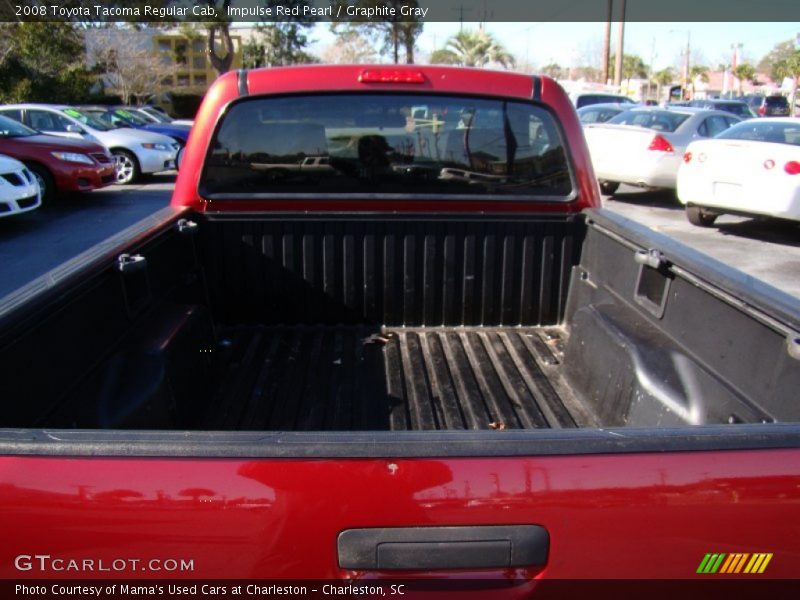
(751, 169)
(643, 146)
(19, 191)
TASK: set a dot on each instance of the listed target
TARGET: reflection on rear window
(655, 120)
(386, 144)
(776, 133)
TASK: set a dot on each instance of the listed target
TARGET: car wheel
(609, 187)
(47, 184)
(700, 216)
(127, 167)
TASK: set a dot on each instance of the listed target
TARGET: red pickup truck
(436, 358)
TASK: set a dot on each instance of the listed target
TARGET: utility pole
(686, 65)
(620, 46)
(607, 42)
(460, 11)
(650, 69)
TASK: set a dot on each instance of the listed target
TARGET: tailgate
(635, 515)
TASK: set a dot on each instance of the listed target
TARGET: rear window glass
(735, 108)
(776, 133)
(655, 120)
(598, 115)
(776, 101)
(386, 144)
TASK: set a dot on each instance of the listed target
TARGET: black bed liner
(305, 378)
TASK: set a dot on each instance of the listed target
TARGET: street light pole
(685, 82)
(737, 83)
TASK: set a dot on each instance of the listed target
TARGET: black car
(735, 107)
(774, 106)
(581, 99)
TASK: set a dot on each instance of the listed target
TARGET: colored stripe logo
(734, 563)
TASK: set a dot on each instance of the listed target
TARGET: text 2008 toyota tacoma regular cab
(434, 355)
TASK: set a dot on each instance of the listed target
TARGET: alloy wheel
(125, 168)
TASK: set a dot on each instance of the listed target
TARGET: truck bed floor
(361, 378)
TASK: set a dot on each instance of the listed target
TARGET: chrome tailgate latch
(651, 258)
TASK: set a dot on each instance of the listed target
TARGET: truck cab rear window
(386, 144)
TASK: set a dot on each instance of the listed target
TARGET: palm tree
(663, 77)
(698, 71)
(744, 72)
(477, 49)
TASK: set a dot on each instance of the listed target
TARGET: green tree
(633, 67)
(553, 70)
(43, 62)
(790, 67)
(443, 56)
(745, 72)
(285, 43)
(774, 57)
(391, 33)
(698, 72)
(477, 49)
(662, 78)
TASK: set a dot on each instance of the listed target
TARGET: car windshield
(130, 117)
(156, 115)
(9, 128)
(87, 119)
(381, 144)
(776, 133)
(657, 120)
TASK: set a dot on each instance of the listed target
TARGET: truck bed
(342, 323)
(367, 378)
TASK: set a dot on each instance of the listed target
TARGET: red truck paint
(639, 516)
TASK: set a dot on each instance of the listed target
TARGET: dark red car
(61, 165)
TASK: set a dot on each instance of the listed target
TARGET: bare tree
(350, 48)
(129, 67)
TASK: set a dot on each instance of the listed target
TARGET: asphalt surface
(33, 243)
(766, 249)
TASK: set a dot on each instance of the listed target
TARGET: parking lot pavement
(765, 249)
(33, 243)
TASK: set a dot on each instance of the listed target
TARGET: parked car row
(717, 162)
(78, 149)
(135, 152)
(644, 146)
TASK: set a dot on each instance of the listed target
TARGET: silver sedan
(644, 146)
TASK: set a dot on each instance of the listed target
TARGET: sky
(569, 44)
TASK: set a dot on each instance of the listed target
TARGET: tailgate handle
(423, 548)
